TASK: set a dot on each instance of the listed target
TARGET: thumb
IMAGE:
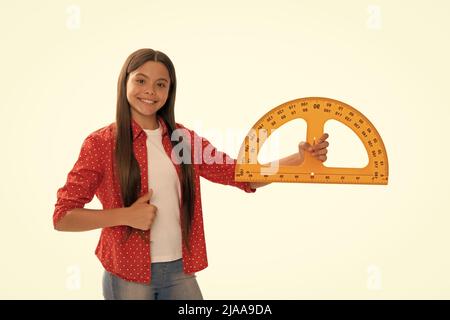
(146, 197)
(304, 146)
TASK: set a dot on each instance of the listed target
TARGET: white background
(236, 60)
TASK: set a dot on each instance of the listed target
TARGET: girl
(152, 240)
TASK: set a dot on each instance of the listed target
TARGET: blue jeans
(169, 282)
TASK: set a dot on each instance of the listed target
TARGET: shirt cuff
(247, 188)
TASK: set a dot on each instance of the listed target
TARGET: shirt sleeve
(217, 166)
(82, 181)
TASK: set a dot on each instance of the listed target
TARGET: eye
(162, 85)
(139, 81)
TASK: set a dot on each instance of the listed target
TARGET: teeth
(147, 101)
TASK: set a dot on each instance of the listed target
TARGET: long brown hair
(127, 165)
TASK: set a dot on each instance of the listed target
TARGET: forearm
(292, 160)
(81, 219)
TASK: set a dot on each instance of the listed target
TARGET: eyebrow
(141, 74)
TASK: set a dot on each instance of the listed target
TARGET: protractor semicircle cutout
(315, 111)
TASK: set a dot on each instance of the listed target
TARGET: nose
(149, 90)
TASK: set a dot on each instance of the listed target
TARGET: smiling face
(147, 91)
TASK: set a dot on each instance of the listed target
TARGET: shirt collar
(137, 129)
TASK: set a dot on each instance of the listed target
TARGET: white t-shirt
(165, 235)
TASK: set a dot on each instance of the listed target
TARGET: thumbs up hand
(141, 213)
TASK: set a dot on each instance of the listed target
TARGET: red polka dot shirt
(93, 174)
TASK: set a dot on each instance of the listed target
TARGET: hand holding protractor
(315, 111)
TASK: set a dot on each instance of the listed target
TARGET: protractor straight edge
(315, 111)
